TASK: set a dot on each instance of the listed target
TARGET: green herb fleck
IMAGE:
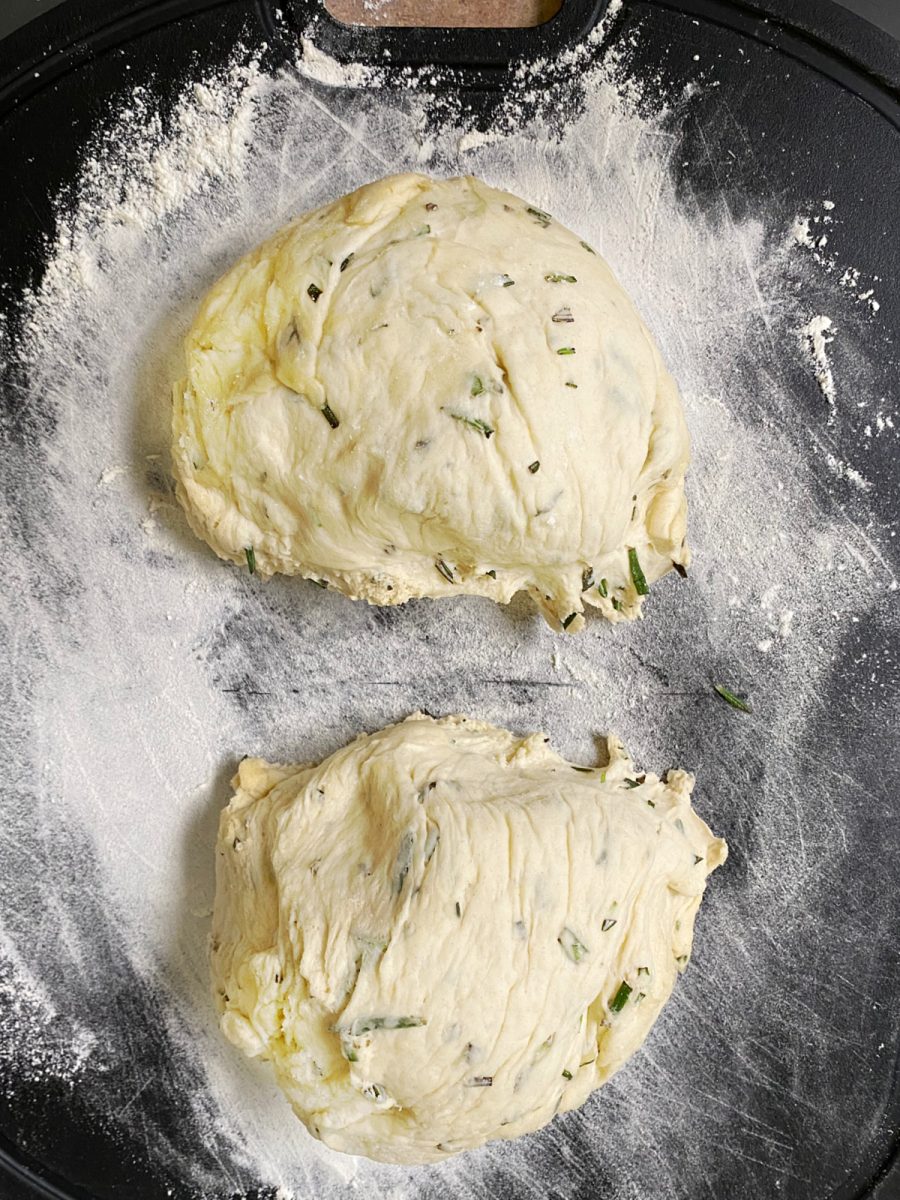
(566, 350)
(681, 569)
(422, 231)
(587, 578)
(639, 997)
(473, 422)
(363, 1025)
(458, 909)
(556, 277)
(445, 571)
(730, 698)
(251, 559)
(643, 970)
(681, 959)
(505, 281)
(492, 574)
(350, 1054)
(590, 249)
(652, 803)
(569, 383)
(477, 385)
(567, 1074)
(322, 583)
(571, 946)
(583, 770)
(637, 575)
(620, 999)
(535, 466)
(346, 262)
(607, 924)
(617, 603)
(569, 619)
(328, 414)
(631, 783)
(563, 316)
(603, 588)
(314, 293)
(698, 858)
(404, 861)
(542, 218)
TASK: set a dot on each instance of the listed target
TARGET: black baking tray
(827, 86)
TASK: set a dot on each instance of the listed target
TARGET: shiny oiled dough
(429, 388)
(444, 934)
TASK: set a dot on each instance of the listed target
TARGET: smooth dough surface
(427, 388)
(444, 934)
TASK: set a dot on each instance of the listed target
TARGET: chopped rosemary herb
(637, 575)
(681, 569)
(620, 999)
(566, 350)
(603, 588)
(445, 571)
(590, 249)
(556, 277)
(631, 783)
(314, 293)
(251, 559)
(730, 698)
(329, 416)
(569, 619)
(567, 1074)
(607, 924)
(587, 578)
(541, 217)
(571, 946)
(535, 466)
(363, 1025)
(481, 1081)
(643, 970)
(346, 262)
(473, 422)
(404, 861)
(562, 316)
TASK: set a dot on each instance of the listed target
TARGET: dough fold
(431, 388)
(444, 934)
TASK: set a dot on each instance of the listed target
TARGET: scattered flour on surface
(208, 666)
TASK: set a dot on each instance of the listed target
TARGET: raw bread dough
(427, 388)
(444, 934)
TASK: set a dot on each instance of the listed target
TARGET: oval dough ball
(444, 934)
(427, 388)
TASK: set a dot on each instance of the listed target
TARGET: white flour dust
(152, 667)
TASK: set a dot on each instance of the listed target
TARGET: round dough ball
(444, 934)
(428, 388)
